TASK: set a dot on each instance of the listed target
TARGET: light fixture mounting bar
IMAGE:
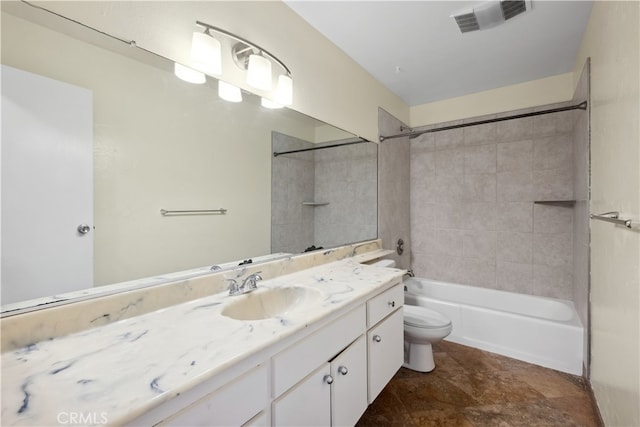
(245, 41)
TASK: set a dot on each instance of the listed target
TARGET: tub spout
(410, 273)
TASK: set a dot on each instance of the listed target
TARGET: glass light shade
(259, 72)
(229, 92)
(267, 103)
(206, 54)
(188, 74)
(284, 91)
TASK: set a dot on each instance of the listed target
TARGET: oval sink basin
(266, 303)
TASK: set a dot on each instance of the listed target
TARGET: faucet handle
(234, 289)
(251, 282)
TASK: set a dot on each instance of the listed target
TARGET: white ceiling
(436, 60)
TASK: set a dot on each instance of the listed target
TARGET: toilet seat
(422, 317)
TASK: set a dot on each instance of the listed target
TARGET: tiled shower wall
(472, 210)
(292, 182)
(343, 177)
(346, 177)
(393, 189)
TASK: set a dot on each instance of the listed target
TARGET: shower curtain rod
(276, 153)
(413, 134)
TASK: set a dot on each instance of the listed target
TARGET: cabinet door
(386, 352)
(308, 403)
(349, 388)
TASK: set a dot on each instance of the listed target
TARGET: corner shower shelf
(315, 203)
(567, 203)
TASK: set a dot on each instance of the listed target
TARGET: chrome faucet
(248, 284)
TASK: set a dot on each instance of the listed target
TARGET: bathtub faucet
(409, 273)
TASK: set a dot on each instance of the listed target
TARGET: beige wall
(347, 99)
(612, 42)
(515, 97)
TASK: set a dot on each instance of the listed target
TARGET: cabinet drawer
(296, 362)
(380, 306)
(233, 404)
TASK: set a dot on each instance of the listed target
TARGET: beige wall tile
(514, 247)
(480, 245)
(553, 152)
(449, 161)
(515, 216)
(552, 184)
(552, 219)
(515, 277)
(515, 186)
(553, 249)
(480, 159)
(480, 188)
(515, 156)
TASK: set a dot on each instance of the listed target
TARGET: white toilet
(422, 327)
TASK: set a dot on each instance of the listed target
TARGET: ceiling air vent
(489, 14)
(467, 22)
(511, 8)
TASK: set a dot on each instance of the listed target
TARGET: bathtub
(539, 330)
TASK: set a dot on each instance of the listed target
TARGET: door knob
(328, 379)
(377, 338)
(83, 229)
(343, 370)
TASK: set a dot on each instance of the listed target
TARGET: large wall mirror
(155, 143)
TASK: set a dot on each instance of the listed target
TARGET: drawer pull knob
(343, 370)
(377, 338)
(392, 303)
(328, 379)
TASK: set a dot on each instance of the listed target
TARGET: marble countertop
(121, 370)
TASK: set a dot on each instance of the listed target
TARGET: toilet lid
(423, 317)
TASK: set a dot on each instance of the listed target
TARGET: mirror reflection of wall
(160, 143)
(322, 197)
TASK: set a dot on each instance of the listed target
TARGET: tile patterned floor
(475, 388)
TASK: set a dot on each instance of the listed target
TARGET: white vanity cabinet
(323, 377)
(338, 391)
(336, 357)
(334, 394)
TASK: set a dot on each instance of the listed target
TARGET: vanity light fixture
(206, 53)
(284, 90)
(258, 62)
(188, 74)
(259, 72)
(229, 92)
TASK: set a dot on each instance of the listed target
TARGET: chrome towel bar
(614, 217)
(221, 211)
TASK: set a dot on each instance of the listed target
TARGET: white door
(47, 186)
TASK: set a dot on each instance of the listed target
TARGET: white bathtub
(544, 331)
